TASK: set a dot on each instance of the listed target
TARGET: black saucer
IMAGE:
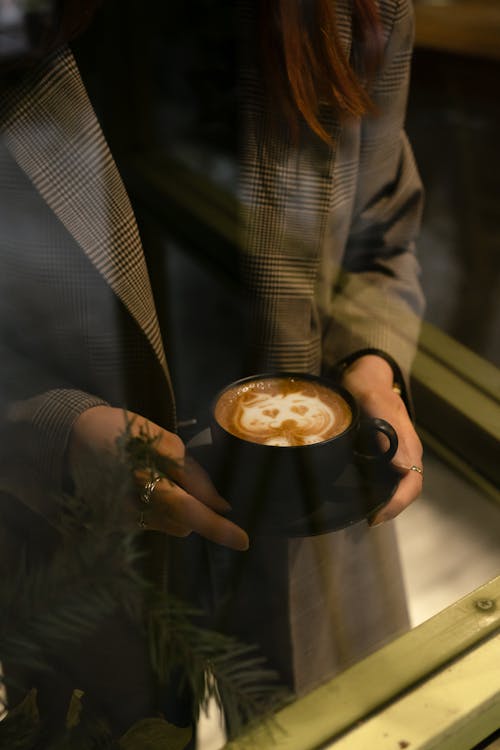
(359, 493)
(364, 486)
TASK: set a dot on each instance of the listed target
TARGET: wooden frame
(437, 686)
(457, 400)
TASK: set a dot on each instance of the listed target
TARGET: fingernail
(378, 521)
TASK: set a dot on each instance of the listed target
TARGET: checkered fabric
(52, 131)
(61, 195)
(327, 238)
(327, 232)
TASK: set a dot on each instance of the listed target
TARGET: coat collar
(51, 129)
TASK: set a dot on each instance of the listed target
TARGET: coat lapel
(52, 131)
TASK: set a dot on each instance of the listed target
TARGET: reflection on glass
(189, 197)
(461, 227)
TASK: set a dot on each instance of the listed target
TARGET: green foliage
(153, 734)
(139, 451)
(211, 665)
(93, 572)
(23, 730)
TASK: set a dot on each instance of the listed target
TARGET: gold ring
(418, 469)
(149, 488)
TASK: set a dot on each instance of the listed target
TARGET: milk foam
(295, 418)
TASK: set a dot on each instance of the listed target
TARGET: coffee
(282, 411)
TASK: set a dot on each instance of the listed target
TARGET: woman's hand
(370, 380)
(187, 501)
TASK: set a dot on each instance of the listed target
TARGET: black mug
(293, 488)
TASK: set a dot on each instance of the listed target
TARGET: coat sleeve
(377, 302)
(69, 247)
(37, 415)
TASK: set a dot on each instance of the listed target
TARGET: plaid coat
(327, 241)
(328, 233)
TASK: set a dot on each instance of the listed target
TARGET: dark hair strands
(305, 67)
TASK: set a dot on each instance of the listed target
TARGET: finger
(145, 519)
(187, 473)
(178, 506)
(409, 488)
(409, 456)
(195, 480)
(174, 529)
(164, 490)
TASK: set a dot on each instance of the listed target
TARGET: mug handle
(366, 445)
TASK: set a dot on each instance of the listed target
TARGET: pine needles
(94, 572)
(211, 665)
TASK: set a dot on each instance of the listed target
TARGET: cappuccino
(283, 411)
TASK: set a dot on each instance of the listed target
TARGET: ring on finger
(149, 488)
(418, 469)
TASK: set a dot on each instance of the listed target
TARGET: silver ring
(142, 521)
(418, 469)
(149, 488)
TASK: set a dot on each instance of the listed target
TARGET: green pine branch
(94, 572)
(213, 665)
(83, 730)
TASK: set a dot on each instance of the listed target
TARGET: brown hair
(305, 66)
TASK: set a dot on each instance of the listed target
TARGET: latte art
(283, 419)
(283, 412)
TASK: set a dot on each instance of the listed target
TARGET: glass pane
(451, 97)
(181, 207)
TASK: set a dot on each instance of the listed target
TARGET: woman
(330, 204)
